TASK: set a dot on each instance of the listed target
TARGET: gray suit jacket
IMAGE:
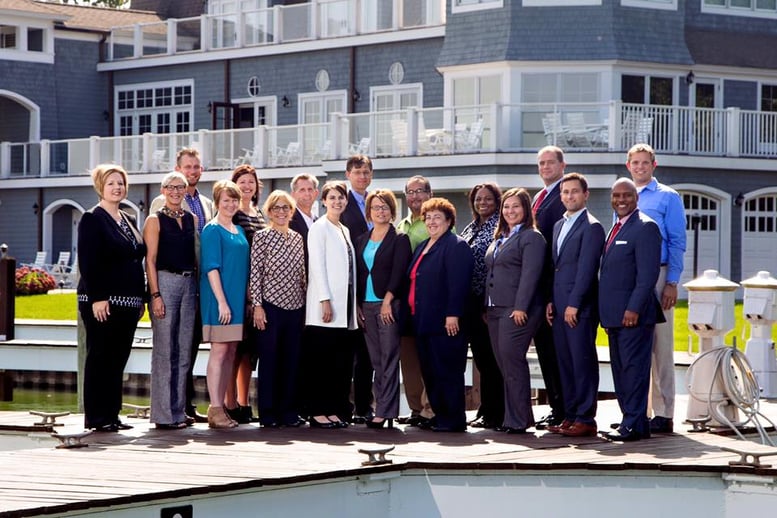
(513, 276)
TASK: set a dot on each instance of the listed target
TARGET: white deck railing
(317, 19)
(591, 127)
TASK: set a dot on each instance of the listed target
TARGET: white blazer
(328, 273)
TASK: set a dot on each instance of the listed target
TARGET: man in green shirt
(417, 191)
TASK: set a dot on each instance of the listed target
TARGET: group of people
(331, 308)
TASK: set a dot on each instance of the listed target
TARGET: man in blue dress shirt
(665, 206)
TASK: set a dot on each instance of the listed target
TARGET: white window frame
(21, 51)
(468, 6)
(669, 5)
(154, 111)
(727, 9)
(557, 3)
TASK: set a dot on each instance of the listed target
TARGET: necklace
(177, 213)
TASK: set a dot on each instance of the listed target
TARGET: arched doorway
(60, 227)
(759, 232)
(21, 118)
(711, 209)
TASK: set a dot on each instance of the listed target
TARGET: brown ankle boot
(217, 418)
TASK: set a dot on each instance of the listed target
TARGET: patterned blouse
(277, 269)
(479, 237)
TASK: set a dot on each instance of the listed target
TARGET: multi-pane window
(553, 88)
(702, 207)
(761, 214)
(8, 37)
(154, 108)
(769, 98)
(647, 90)
(742, 7)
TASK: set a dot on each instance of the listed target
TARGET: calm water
(53, 401)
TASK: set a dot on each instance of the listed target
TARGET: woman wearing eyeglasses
(172, 280)
(440, 273)
(251, 220)
(382, 257)
(330, 312)
(277, 293)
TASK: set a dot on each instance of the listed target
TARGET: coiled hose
(741, 389)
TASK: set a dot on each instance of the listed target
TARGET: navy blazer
(442, 282)
(548, 213)
(513, 276)
(353, 218)
(389, 271)
(629, 272)
(576, 266)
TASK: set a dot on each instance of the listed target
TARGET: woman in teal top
(382, 258)
(223, 285)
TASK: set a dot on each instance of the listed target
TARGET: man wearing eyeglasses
(358, 172)
(187, 161)
(417, 191)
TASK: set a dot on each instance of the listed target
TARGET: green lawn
(59, 306)
(63, 307)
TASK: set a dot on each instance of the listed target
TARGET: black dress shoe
(482, 422)
(294, 423)
(316, 424)
(424, 423)
(123, 426)
(510, 430)
(412, 420)
(198, 417)
(548, 420)
(623, 436)
(661, 425)
(170, 426)
(107, 428)
(269, 424)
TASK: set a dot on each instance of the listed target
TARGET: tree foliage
(99, 3)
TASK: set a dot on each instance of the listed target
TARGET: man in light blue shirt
(665, 206)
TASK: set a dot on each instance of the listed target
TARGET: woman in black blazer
(382, 257)
(514, 305)
(111, 294)
(440, 274)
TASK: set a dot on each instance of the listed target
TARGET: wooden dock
(146, 465)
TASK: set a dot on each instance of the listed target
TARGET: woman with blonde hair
(111, 296)
(223, 281)
(277, 293)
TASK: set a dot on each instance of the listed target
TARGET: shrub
(33, 281)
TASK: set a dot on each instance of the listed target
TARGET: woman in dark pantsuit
(382, 257)
(440, 273)
(484, 200)
(514, 305)
(111, 295)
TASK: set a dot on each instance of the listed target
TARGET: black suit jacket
(353, 218)
(548, 213)
(110, 265)
(389, 271)
(297, 224)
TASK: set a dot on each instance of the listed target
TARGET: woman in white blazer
(330, 312)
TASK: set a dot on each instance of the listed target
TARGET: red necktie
(613, 232)
(538, 201)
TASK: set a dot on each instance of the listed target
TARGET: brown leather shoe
(579, 429)
(559, 428)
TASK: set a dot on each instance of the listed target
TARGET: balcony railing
(317, 19)
(494, 128)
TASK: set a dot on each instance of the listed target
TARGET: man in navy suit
(629, 308)
(358, 172)
(304, 190)
(577, 244)
(548, 209)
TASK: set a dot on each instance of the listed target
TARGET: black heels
(389, 422)
(326, 424)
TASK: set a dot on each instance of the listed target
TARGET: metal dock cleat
(140, 411)
(71, 440)
(750, 454)
(49, 418)
(376, 456)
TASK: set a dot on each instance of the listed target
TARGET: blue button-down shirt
(665, 206)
